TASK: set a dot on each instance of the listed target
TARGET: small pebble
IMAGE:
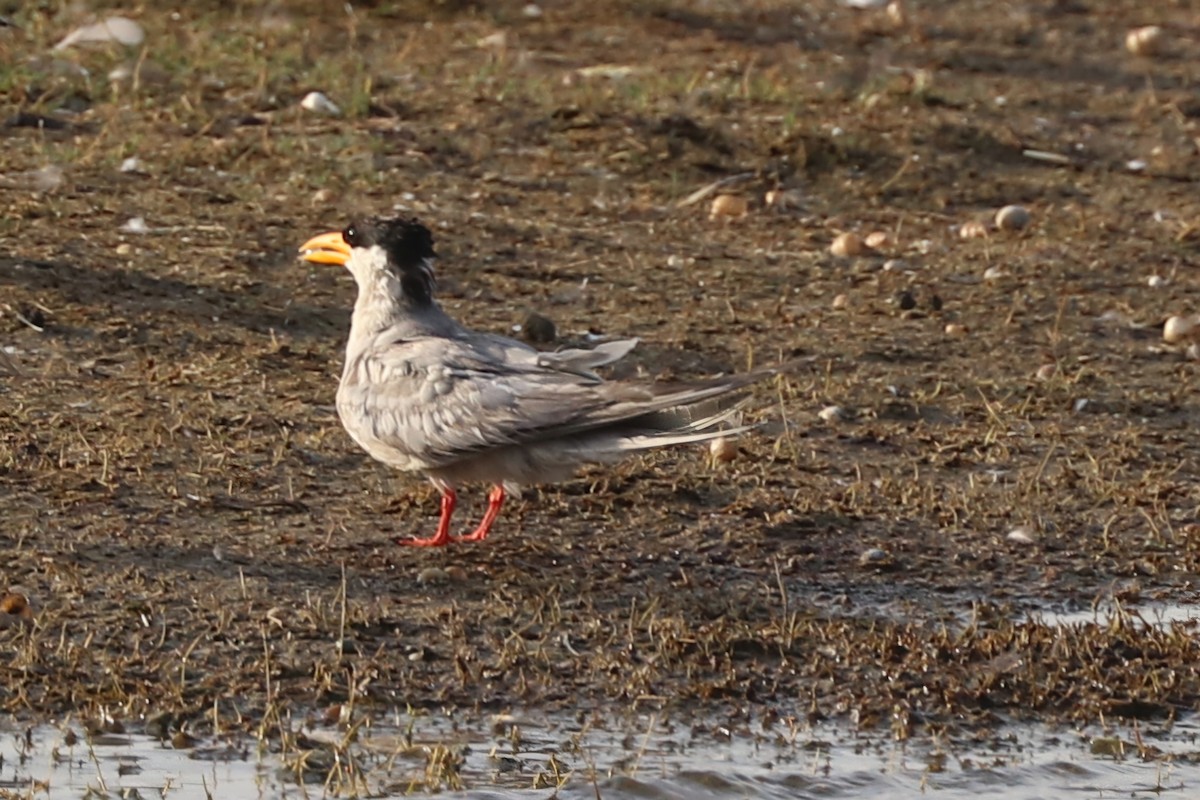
(905, 300)
(832, 414)
(955, 329)
(993, 274)
(1178, 328)
(131, 164)
(972, 229)
(1012, 218)
(729, 206)
(1022, 534)
(1156, 281)
(1193, 352)
(935, 302)
(894, 265)
(723, 450)
(493, 41)
(1081, 404)
(1144, 41)
(840, 302)
(532, 10)
(538, 329)
(456, 573)
(323, 197)
(847, 244)
(432, 575)
(1046, 371)
(124, 249)
(782, 199)
(874, 557)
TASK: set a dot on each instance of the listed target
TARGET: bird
(422, 393)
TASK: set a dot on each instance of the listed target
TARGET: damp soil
(202, 545)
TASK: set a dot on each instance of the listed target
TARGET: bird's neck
(382, 304)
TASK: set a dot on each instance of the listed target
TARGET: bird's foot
(432, 541)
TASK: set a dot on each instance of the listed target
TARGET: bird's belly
(390, 449)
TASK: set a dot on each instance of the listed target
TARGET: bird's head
(394, 255)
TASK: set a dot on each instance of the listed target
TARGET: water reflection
(647, 757)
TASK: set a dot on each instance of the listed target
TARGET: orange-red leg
(442, 537)
(495, 501)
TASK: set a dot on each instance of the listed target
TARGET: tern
(422, 393)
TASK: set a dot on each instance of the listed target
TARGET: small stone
(456, 573)
(723, 450)
(1178, 328)
(894, 265)
(840, 302)
(1046, 371)
(905, 300)
(956, 329)
(432, 575)
(1012, 218)
(833, 414)
(847, 245)
(124, 249)
(935, 302)
(1081, 404)
(1144, 41)
(1156, 281)
(538, 329)
(782, 199)
(730, 206)
(532, 11)
(323, 197)
(993, 274)
(972, 229)
(874, 557)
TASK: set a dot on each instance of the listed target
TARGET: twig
(703, 192)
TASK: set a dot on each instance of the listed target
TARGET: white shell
(320, 104)
(1022, 534)
(119, 30)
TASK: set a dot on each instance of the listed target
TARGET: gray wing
(438, 399)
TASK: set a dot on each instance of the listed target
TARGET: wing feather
(428, 401)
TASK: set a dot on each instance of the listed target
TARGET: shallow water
(644, 758)
(1103, 613)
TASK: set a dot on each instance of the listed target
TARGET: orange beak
(328, 248)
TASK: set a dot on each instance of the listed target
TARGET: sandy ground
(200, 540)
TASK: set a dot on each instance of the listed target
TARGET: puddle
(640, 758)
(1155, 614)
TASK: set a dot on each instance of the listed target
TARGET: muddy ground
(202, 542)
